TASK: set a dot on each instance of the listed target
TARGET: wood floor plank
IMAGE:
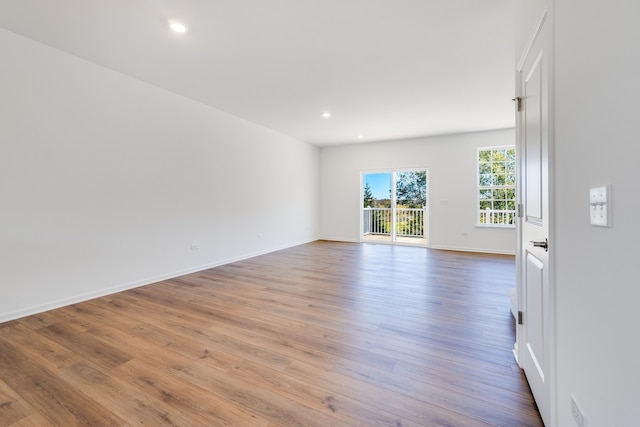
(93, 350)
(261, 401)
(183, 396)
(34, 420)
(148, 330)
(406, 408)
(322, 334)
(344, 408)
(46, 351)
(493, 412)
(50, 396)
(12, 407)
(123, 399)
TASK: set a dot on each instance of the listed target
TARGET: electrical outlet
(576, 412)
(194, 247)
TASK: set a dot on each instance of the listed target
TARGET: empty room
(319, 213)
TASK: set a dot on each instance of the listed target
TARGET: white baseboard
(479, 250)
(5, 317)
(339, 239)
(440, 247)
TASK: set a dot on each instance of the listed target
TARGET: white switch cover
(600, 206)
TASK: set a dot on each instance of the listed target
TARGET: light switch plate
(600, 206)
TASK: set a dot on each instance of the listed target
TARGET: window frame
(487, 172)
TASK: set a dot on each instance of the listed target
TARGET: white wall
(597, 92)
(527, 17)
(451, 161)
(106, 182)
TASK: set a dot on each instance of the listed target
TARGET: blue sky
(380, 184)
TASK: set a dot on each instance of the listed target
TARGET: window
(497, 186)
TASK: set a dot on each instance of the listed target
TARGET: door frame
(544, 21)
(392, 241)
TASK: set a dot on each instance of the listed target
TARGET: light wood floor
(324, 334)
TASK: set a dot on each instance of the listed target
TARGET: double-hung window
(497, 186)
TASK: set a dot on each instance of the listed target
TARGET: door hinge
(518, 101)
(519, 318)
(519, 210)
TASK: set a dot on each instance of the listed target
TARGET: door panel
(533, 87)
(534, 297)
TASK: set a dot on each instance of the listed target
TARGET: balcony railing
(492, 217)
(409, 222)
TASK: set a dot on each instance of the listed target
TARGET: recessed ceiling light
(177, 27)
(326, 114)
(360, 136)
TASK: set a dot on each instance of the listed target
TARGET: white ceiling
(386, 69)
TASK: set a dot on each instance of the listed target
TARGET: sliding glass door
(394, 206)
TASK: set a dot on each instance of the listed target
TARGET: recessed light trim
(326, 114)
(178, 27)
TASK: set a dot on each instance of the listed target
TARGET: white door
(533, 144)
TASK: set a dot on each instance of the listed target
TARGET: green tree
(368, 196)
(411, 189)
